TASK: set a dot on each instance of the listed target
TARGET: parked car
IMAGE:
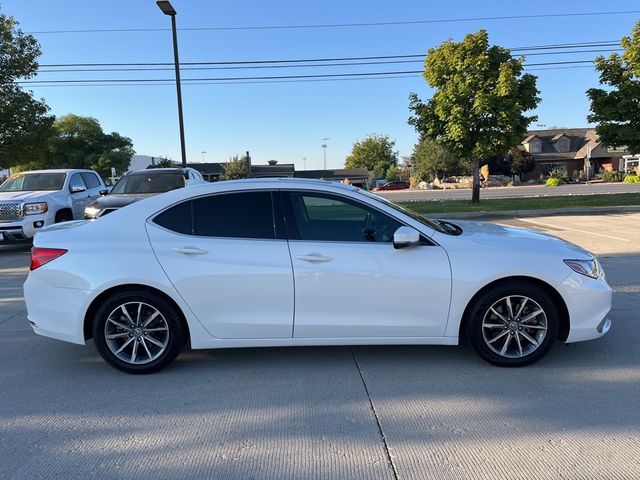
(391, 186)
(140, 184)
(32, 200)
(289, 262)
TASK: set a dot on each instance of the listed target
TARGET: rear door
(223, 256)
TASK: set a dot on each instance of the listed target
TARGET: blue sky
(286, 121)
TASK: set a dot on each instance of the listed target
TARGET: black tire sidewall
(176, 331)
(487, 299)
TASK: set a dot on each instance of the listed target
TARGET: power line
(608, 43)
(274, 66)
(267, 77)
(346, 25)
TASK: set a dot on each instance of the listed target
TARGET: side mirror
(104, 191)
(405, 237)
(77, 189)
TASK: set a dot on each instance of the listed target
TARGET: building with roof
(355, 176)
(570, 150)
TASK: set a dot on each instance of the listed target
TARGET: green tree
(520, 161)
(375, 153)
(432, 160)
(80, 142)
(616, 110)
(164, 163)
(237, 167)
(481, 94)
(24, 121)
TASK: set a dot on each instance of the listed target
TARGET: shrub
(631, 178)
(553, 181)
(613, 176)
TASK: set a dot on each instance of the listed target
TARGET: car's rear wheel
(138, 332)
(514, 324)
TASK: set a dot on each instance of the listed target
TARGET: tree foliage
(481, 95)
(24, 121)
(616, 109)
(80, 142)
(236, 168)
(375, 153)
(432, 160)
(520, 161)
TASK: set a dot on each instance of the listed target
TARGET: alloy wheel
(136, 333)
(514, 326)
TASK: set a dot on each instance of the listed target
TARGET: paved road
(513, 192)
(361, 413)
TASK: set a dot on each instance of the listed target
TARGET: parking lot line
(568, 229)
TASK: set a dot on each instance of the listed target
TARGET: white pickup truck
(32, 200)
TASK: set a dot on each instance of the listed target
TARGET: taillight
(42, 256)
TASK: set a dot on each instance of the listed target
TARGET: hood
(505, 237)
(118, 201)
(35, 195)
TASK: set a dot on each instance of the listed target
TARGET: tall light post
(304, 162)
(203, 154)
(324, 149)
(167, 9)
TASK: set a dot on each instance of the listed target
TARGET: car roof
(59, 170)
(280, 182)
(152, 171)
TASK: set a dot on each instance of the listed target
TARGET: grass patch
(530, 203)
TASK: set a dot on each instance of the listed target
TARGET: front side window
(327, 218)
(76, 183)
(32, 182)
(91, 179)
(238, 215)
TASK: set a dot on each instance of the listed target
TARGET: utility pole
(324, 149)
(168, 10)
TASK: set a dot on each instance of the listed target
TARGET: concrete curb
(535, 213)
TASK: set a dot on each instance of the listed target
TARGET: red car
(391, 186)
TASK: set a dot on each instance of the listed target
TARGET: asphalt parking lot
(346, 413)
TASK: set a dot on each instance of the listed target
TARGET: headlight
(91, 212)
(590, 267)
(33, 208)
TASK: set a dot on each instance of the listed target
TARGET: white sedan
(281, 262)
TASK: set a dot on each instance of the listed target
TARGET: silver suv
(32, 200)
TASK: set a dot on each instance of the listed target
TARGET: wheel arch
(95, 304)
(63, 210)
(563, 330)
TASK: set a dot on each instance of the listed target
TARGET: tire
(63, 216)
(514, 339)
(144, 339)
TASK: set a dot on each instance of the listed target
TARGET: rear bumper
(56, 312)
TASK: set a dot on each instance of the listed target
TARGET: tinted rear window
(177, 218)
(239, 215)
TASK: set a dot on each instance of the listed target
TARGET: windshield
(148, 183)
(31, 182)
(408, 212)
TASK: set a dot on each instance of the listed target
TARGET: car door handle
(191, 251)
(313, 257)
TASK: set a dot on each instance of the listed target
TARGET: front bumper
(24, 229)
(589, 303)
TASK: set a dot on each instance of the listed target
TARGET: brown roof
(580, 140)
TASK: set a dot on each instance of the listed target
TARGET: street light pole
(324, 149)
(167, 9)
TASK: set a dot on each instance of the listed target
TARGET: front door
(349, 279)
(221, 254)
(79, 195)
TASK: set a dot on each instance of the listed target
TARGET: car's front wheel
(138, 332)
(514, 324)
